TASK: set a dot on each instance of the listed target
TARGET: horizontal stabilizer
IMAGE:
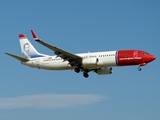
(17, 57)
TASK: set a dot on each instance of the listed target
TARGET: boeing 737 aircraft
(98, 62)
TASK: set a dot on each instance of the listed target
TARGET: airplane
(98, 62)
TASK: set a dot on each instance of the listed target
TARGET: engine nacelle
(104, 71)
(89, 62)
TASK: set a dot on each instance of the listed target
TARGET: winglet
(34, 36)
(22, 36)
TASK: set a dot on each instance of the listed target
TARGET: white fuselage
(105, 59)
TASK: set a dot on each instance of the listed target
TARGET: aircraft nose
(152, 57)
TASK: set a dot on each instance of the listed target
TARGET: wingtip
(22, 36)
(34, 35)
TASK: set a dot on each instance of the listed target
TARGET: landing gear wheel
(85, 75)
(77, 70)
(139, 69)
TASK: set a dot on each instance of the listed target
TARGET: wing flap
(17, 57)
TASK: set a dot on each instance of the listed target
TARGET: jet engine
(104, 71)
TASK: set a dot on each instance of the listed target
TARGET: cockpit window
(145, 52)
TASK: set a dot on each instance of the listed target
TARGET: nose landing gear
(139, 68)
(142, 64)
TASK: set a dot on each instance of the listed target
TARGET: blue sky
(80, 26)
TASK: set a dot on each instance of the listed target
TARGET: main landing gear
(77, 70)
(85, 73)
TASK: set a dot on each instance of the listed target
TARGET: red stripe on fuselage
(133, 57)
(128, 57)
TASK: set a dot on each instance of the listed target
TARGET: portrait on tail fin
(26, 48)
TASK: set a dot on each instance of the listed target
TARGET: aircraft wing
(66, 56)
(17, 57)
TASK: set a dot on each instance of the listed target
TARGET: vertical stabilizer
(27, 48)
